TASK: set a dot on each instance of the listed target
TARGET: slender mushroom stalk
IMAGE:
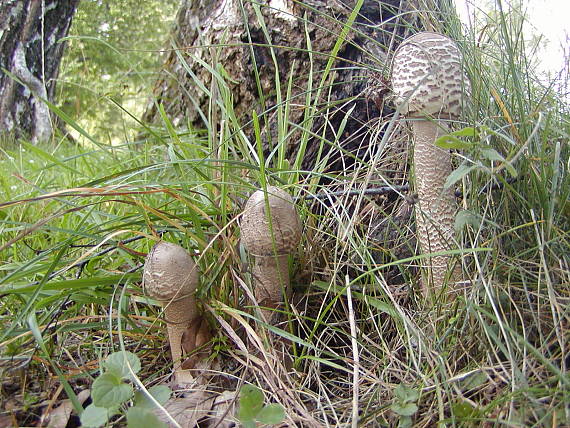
(429, 85)
(269, 236)
(171, 277)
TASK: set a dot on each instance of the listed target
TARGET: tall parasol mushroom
(429, 86)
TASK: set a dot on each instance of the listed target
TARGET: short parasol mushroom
(270, 230)
(429, 86)
(171, 277)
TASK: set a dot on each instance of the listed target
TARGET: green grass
(76, 223)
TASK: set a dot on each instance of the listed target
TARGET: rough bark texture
(29, 50)
(230, 33)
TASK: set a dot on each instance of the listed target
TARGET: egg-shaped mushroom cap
(169, 272)
(428, 78)
(262, 237)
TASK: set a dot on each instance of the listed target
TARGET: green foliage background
(114, 50)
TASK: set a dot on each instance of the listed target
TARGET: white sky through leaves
(548, 17)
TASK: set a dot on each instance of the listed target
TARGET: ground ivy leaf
(404, 409)
(405, 393)
(458, 174)
(449, 141)
(109, 390)
(405, 422)
(465, 217)
(250, 402)
(137, 417)
(94, 416)
(463, 410)
(161, 393)
(117, 362)
(271, 414)
(473, 381)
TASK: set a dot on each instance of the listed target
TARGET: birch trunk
(30, 51)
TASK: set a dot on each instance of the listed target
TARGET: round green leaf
(466, 217)
(94, 416)
(160, 393)
(463, 410)
(405, 422)
(109, 390)
(404, 409)
(138, 417)
(405, 393)
(250, 402)
(271, 414)
(119, 362)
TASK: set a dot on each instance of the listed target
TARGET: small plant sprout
(429, 86)
(270, 230)
(113, 389)
(171, 277)
(252, 410)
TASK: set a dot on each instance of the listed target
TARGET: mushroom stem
(177, 329)
(436, 205)
(271, 276)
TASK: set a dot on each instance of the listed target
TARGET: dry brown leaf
(59, 417)
(223, 411)
(188, 410)
(7, 421)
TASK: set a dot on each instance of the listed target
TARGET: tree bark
(30, 52)
(212, 34)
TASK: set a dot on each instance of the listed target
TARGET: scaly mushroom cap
(256, 229)
(427, 77)
(169, 273)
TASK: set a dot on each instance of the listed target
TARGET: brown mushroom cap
(262, 237)
(169, 272)
(427, 76)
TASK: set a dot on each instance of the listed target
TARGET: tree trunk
(30, 52)
(231, 38)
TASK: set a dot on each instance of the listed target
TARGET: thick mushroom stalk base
(435, 212)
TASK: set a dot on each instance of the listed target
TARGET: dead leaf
(188, 410)
(59, 417)
(7, 421)
(223, 411)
